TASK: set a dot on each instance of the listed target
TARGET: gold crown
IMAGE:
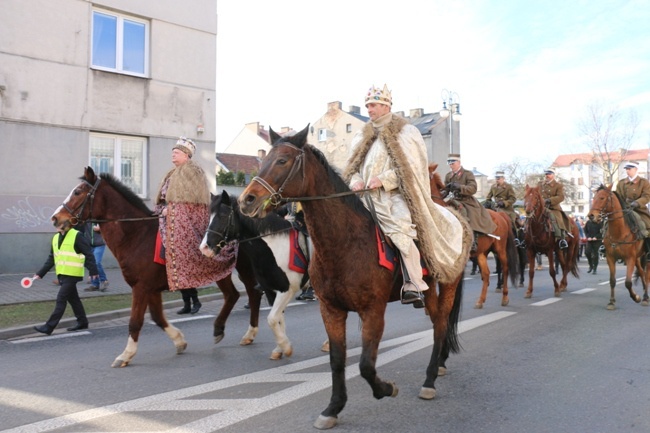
(379, 96)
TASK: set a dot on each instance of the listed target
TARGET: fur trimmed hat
(186, 145)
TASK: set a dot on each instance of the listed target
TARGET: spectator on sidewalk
(68, 252)
(94, 236)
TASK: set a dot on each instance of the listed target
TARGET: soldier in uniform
(635, 190)
(462, 184)
(503, 194)
(553, 194)
(594, 235)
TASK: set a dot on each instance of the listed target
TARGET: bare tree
(520, 172)
(609, 133)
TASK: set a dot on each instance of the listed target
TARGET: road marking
(52, 337)
(229, 411)
(582, 291)
(546, 302)
(618, 280)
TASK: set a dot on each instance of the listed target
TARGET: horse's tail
(512, 255)
(573, 262)
(451, 339)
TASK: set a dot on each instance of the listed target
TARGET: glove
(634, 204)
(454, 186)
(500, 203)
(547, 202)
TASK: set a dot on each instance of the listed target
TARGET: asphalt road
(539, 365)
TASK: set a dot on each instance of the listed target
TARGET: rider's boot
(474, 243)
(414, 285)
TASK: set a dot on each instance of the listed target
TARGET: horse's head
(533, 203)
(77, 207)
(602, 203)
(223, 226)
(282, 172)
(436, 184)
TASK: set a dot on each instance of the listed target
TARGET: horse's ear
(609, 186)
(527, 188)
(273, 136)
(225, 198)
(89, 174)
(300, 139)
(433, 167)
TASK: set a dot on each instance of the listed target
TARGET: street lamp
(450, 105)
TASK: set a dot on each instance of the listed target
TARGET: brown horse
(503, 246)
(540, 239)
(621, 242)
(129, 230)
(344, 268)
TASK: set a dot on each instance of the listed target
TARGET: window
(581, 209)
(120, 44)
(581, 181)
(322, 134)
(348, 127)
(122, 156)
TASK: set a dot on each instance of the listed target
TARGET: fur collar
(187, 184)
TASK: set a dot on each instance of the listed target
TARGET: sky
(525, 72)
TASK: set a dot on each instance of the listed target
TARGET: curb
(21, 331)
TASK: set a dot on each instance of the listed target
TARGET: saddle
(389, 255)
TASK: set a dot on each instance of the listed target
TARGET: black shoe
(594, 272)
(43, 329)
(247, 306)
(78, 327)
(589, 271)
(196, 308)
(411, 297)
(185, 310)
(473, 272)
(308, 295)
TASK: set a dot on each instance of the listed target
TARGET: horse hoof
(497, 290)
(645, 303)
(637, 299)
(275, 356)
(246, 341)
(442, 371)
(325, 347)
(119, 363)
(288, 352)
(478, 306)
(505, 302)
(427, 393)
(395, 390)
(528, 295)
(181, 348)
(325, 422)
(611, 307)
(218, 338)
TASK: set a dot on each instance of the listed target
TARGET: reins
(276, 198)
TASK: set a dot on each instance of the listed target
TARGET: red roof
(235, 163)
(587, 158)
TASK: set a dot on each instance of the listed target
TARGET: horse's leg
(277, 323)
(158, 316)
(138, 308)
(501, 257)
(254, 303)
(230, 297)
(531, 272)
(553, 272)
(334, 321)
(371, 333)
(485, 278)
(630, 265)
(611, 263)
(646, 300)
(499, 274)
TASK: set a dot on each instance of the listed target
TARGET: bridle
(90, 196)
(604, 215)
(276, 199)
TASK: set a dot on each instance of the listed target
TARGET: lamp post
(450, 106)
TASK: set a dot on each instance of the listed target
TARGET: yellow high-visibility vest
(66, 259)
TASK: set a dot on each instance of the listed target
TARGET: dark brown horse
(540, 239)
(621, 242)
(503, 246)
(344, 268)
(129, 230)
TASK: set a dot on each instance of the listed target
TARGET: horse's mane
(125, 192)
(353, 201)
(627, 211)
(271, 223)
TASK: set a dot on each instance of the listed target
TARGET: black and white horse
(267, 242)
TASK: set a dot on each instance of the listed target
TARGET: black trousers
(592, 253)
(67, 293)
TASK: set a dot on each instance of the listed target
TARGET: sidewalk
(11, 292)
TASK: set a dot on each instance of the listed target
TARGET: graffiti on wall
(27, 214)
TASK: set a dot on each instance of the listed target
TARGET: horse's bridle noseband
(225, 236)
(90, 195)
(276, 196)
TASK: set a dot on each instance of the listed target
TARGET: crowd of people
(387, 158)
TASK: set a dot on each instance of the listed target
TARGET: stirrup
(517, 243)
(563, 244)
(412, 297)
